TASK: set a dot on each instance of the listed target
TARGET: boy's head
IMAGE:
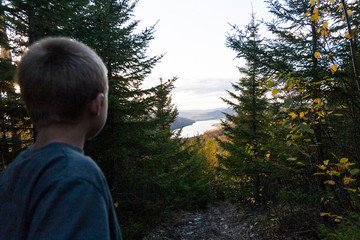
(57, 78)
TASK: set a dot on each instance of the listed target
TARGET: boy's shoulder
(44, 186)
(66, 161)
(52, 163)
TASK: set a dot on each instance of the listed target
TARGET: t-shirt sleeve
(70, 208)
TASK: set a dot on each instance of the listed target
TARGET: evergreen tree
(297, 37)
(180, 169)
(111, 31)
(297, 70)
(148, 175)
(311, 40)
(14, 127)
(320, 104)
(29, 21)
(108, 28)
(171, 174)
(245, 130)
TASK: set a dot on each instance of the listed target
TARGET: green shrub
(348, 229)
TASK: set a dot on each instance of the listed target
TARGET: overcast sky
(192, 34)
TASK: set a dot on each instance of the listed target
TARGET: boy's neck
(71, 134)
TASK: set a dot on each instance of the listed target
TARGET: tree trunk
(352, 46)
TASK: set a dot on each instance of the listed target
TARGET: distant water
(199, 127)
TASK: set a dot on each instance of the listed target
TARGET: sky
(192, 35)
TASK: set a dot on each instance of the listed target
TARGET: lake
(199, 127)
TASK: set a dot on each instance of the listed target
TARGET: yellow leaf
(328, 55)
(326, 162)
(317, 100)
(300, 163)
(325, 214)
(344, 160)
(319, 29)
(337, 220)
(317, 55)
(332, 1)
(330, 182)
(268, 155)
(318, 2)
(275, 91)
(116, 204)
(348, 180)
(322, 167)
(340, 7)
(334, 68)
(302, 114)
(306, 154)
(293, 115)
(321, 113)
(315, 18)
(307, 140)
(350, 189)
(348, 35)
(307, 13)
(325, 24)
(342, 107)
(312, 2)
(349, 12)
(316, 11)
(305, 50)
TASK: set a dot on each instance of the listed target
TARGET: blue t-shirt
(56, 192)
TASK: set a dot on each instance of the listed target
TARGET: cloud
(203, 86)
(197, 94)
(201, 94)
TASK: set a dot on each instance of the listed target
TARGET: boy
(52, 190)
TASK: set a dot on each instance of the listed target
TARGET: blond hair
(57, 77)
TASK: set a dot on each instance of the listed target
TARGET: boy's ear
(97, 104)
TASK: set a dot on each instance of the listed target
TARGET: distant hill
(209, 114)
(181, 122)
(214, 133)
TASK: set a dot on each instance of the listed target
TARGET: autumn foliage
(294, 151)
(290, 153)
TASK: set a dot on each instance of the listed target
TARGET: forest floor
(221, 220)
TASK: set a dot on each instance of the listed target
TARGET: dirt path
(219, 221)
